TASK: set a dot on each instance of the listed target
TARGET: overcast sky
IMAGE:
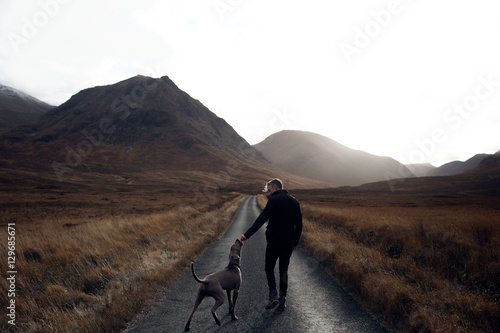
(417, 80)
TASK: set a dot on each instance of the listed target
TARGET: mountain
(484, 179)
(487, 173)
(139, 131)
(421, 169)
(456, 167)
(315, 156)
(18, 108)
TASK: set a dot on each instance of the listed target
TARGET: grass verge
(94, 274)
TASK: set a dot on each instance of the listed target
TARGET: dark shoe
(273, 300)
(282, 304)
(272, 303)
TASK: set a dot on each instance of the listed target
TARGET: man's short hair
(276, 182)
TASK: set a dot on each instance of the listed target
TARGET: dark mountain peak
(140, 125)
(138, 110)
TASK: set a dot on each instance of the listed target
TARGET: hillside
(18, 108)
(421, 169)
(481, 180)
(456, 167)
(315, 156)
(139, 131)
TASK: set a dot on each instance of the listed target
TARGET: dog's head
(234, 254)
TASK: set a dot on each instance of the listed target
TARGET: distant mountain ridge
(18, 108)
(484, 179)
(448, 169)
(315, 156)
(147, 131)
(457, 167)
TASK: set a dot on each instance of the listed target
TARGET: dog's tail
(194, 275)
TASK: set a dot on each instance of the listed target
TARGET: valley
(114, 193)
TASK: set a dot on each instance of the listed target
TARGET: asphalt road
(315, 302)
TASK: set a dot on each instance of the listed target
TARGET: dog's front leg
(219, 300)
(231, 309)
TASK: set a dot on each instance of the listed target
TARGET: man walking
(282, 235)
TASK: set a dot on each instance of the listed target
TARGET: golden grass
(261, 200)
(81, 274)
(423, 269)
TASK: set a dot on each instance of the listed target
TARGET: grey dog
(213, 285)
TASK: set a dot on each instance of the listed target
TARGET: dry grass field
(91, 262)
(421, 263)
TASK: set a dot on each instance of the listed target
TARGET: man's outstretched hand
(243, 238)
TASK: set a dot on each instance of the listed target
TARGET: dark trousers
(283, 252)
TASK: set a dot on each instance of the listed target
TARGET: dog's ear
(239, 241)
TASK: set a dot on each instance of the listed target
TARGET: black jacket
(285, 219)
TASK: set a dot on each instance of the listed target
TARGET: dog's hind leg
(201, 295)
